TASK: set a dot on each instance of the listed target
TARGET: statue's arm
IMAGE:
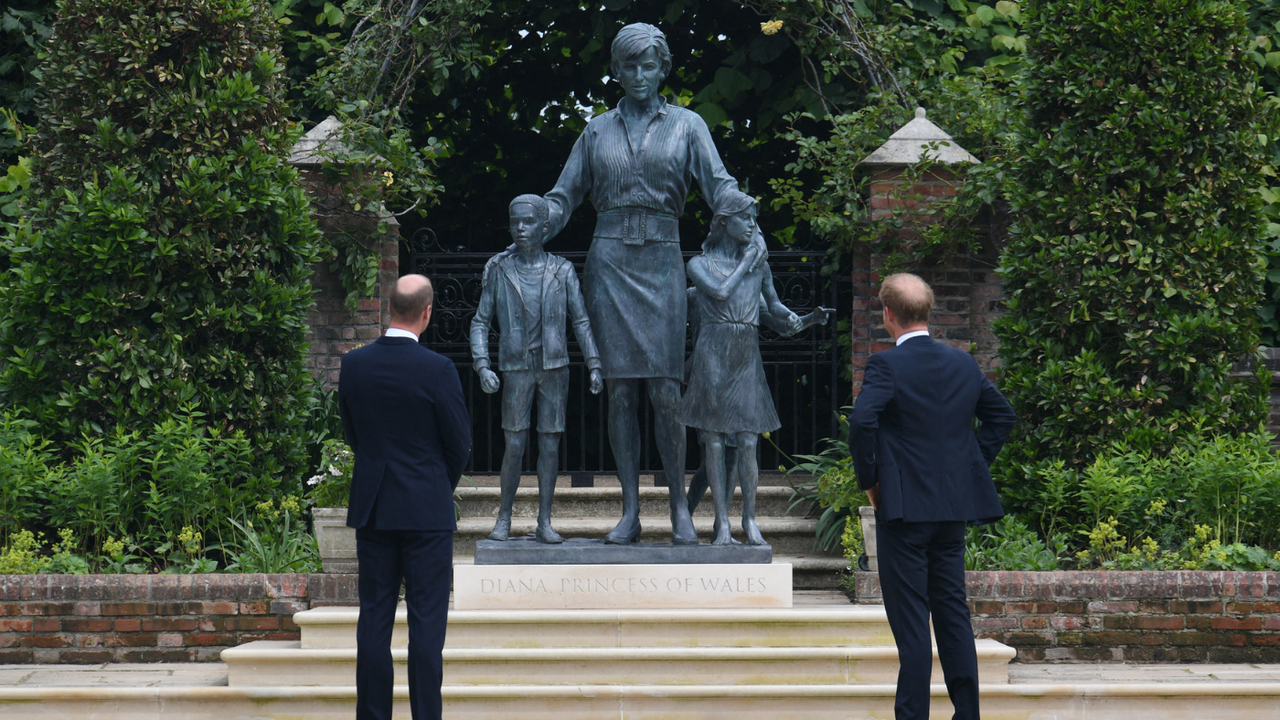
(708, 284)
(481, 323)
(780, 319)
(572, 187)
(581, 323)
(706, 165)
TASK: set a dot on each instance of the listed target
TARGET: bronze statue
(636, 162)
(531, 292)
(728, 398)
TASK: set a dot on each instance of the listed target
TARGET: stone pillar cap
(914, 142)
(320, 144)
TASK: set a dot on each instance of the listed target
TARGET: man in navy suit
(927, 474)
(405, 419)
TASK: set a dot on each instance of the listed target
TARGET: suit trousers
(922, 574)
(423, 560)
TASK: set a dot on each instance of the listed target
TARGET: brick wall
(334, 330)
(153, 618)
(967, 295)
(1189, 616)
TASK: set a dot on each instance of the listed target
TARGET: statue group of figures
(632, 312)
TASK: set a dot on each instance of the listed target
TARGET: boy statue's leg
(512, 458)
(548, 466)
(517, 403)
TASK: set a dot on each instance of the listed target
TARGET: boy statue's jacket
(561, 295)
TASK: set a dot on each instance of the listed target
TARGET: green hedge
(162, 266)
(1133, 269)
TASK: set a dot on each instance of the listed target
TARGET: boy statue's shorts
(518, 387)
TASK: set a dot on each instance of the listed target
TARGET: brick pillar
(333, 329)
(966, 291)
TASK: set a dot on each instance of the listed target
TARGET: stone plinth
(594, 551)
(620, 587)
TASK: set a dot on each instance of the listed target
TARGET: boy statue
(530, 291)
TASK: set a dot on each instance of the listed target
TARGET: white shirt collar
(400, 332)
(914, 333)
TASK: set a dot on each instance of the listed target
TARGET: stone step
(482, 502)
(787, 535)
(565, 480)
(1099, 701)
(1059, 701)
(813, 626)
(274, 663)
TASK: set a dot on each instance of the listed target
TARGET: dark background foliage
(163, 260)
(1134, 267)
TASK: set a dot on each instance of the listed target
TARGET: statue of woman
(636, 162)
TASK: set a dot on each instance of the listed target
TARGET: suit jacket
(502, 295)
(912, 432)
(406, 421)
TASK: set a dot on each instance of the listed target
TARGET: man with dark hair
(406, 421)
(926, 474)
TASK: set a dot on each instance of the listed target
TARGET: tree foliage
(162, 263)
(1133, 268)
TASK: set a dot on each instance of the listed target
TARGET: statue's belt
(635, 226)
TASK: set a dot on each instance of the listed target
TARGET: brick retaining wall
(1189, 616)
(153, 618)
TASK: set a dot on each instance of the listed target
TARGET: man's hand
(489, 381)
(597, 381)
(874, 496)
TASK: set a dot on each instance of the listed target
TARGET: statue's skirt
(635, 296)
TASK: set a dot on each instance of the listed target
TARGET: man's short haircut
(538, 202)
(909, 297)
(631, 42)
(408, 307)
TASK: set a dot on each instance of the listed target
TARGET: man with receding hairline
(405, 418)
(926, 473)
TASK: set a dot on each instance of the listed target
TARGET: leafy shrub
(22, 556)
(831, 485)
(1011, 545)
(277, 545)
(1133, 268)
(331, 485)
(163, 262)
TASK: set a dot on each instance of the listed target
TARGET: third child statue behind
(728, 398)
(531, 292)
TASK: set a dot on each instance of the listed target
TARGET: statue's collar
(662, 106)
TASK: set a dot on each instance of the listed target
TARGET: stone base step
(604, 480)
(788, 536)
(275, 663)
(1100, 701)
(606, 502)
(814, 626)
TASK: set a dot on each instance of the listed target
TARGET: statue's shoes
(621, 536)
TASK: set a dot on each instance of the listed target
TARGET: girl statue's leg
(512, 458)
(548, 466)
(713, 445)
(749, 478)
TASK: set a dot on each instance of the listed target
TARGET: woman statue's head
(635, 47)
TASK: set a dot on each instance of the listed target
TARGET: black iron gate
(804, 371)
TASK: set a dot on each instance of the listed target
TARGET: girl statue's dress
(727, 390)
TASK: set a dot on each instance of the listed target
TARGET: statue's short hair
(909, 297)
(631, 42)
(538, 202)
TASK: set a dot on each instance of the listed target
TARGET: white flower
(335, 471)
(315, 479)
